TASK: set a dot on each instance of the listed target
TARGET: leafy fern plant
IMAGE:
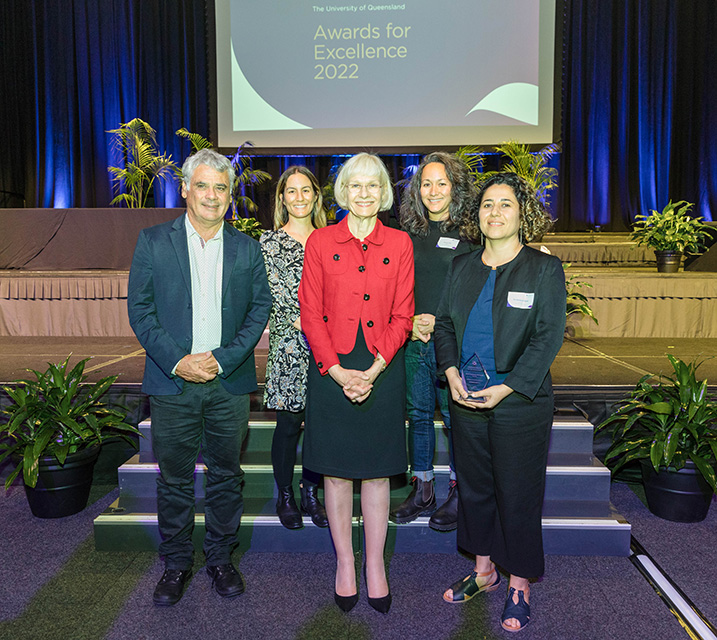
(666, 423)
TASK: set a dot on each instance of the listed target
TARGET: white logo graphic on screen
(517, 100)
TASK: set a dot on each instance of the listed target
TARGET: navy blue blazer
(159, 302)
(528, 315)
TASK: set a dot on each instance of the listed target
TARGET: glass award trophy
(474, 377)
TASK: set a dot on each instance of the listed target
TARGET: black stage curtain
(639, 125)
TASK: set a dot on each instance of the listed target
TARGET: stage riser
(647, 304)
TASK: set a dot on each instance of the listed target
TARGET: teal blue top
(478, 336)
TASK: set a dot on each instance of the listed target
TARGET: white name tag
(447, 243)
(520, 299)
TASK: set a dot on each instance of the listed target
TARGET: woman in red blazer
(356, 299)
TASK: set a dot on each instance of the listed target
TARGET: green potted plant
(54, 430)
(519, 159)
(670, 428)
(141, 163)
(671, 233)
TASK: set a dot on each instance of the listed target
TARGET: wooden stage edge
(628, 302)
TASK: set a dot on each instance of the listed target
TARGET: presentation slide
(298, 74)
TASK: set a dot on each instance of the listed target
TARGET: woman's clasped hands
(356, 384)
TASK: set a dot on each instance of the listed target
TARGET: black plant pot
(679, 495)
(668, 261)
(62, 490)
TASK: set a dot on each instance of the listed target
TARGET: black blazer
(528, 315)
(159, 302)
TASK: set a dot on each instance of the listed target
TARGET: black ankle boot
(287, 510)
(446, 516)
(421, 501)
(311, 506)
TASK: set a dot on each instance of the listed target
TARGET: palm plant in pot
(54, 431)
(671, 233)
(671, 429)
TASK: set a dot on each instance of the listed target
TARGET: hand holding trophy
(474, 378)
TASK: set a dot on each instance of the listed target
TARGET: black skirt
(348, 440)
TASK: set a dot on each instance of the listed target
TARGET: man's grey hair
(210, 158)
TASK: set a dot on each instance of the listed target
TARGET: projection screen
(415, 74)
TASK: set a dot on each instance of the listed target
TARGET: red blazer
(345, 282)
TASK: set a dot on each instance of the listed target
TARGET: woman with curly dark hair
(499, 326)
(436, 202)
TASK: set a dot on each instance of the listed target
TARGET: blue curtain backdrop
(639, 122)
(639, 84)
(73, 69)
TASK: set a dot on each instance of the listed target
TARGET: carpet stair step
(130, 524)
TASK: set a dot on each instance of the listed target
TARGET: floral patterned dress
(288, 360)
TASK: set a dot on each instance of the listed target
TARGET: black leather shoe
(446, 516)
(421, 501)
(287, 510)
(170, 587)
(311, 506)
(226, 580)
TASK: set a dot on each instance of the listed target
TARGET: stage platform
(639, 302)
(596, 249)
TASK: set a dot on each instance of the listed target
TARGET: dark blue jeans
(423, 389)
(203, 416)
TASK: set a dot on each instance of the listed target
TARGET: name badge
(447, 243)
(520, 299)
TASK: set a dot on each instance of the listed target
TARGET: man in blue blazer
(198, 302)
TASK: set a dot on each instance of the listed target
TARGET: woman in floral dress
(298, 212)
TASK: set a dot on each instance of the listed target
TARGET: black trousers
(203, 416)
(501, 458)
